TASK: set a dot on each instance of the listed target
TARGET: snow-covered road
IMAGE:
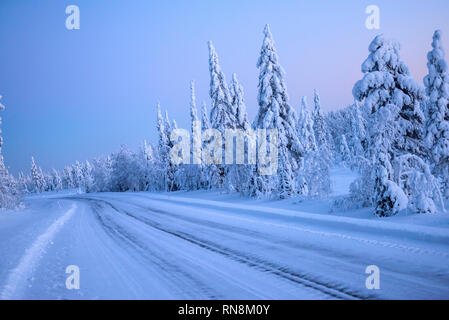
(156, 246)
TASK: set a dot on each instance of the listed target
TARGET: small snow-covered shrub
(415, 179)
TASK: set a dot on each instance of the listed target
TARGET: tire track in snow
(379, 243)
(331, 290)
(117, 232)
(17, 279)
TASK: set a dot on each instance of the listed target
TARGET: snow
(15, 281)
(211, 245)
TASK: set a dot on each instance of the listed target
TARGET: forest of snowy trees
(395, 135)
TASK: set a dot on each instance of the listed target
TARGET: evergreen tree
(166, 168)
(320, 127)
(56, 180)
(37, 177)
(9, 193)
(357, 134)
(306, 127)
(222, 114)
(88, 181)
(276, 113)
(190, 174)
(238, 104)
(437, 128)
(392, 101)
(77, 175)
(67, 178)
(345, 154)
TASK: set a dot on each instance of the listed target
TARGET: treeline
(396, 134)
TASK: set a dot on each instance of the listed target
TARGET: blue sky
(73, 95)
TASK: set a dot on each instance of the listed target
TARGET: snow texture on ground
(208, 245)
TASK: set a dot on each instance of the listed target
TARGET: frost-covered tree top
(222, 115)
(238, 103)
(387, 84)
(437, 89)
(275, 111)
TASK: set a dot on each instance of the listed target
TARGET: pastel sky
(73, 95)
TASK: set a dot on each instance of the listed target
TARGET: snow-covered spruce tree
(67, 178)
(307, 137)
(9, 193)
(222, 114)
(314, 177)
(276, 113)
(238, 174)
(357, 134)
(238, 104)
(192, 180)
(392, 101)
(56, 180)
(77, 175)
(88, 183)
(306, 127)
(146, 164)
(37, 177)
(437, 127)
(210, 174)
(166, 170)
(416, 180)
(22, 184)
(345, 154)
(320, 127)
(102, 171)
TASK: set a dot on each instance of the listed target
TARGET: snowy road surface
(156, 246)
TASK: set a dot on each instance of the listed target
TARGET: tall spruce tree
(276, 113)
(238, 104)
(437, 128)
(9, 193)
(392, 101)
(222, 114)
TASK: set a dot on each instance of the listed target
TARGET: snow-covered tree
(37, 177)
(166, 169)
(210, 174)
(125, 174)
(22, 183)
(320, 127)
(415, 179)
(102, 171)
(223, 113)
(188, 175)
(56, 180)
(67, 178)
(77, 175)
(437, 128)
(276, 113)
(392, 102)
(9, 193)
(238, 104)
(345, 154)
(357, 134)
(306, 127)
(88, 182)
(147, 161)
